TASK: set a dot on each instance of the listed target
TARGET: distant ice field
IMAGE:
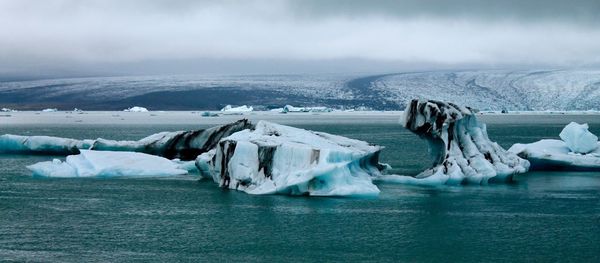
(537, 90)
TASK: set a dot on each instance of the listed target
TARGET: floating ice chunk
(290, 108)
(108, 164)
(50, 110)
(552, 155)
(459, 143)
(7, 110)
(136, 109)
(240, 109)
(577, 137)
(277, 159)
(185, 145)
(42, 144)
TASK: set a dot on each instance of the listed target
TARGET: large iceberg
(109, 164)
(577, 151)
(41, 145)
(577, 137)
(185, 145)
(277, 159)
(459, 143)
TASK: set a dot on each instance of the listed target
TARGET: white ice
(109, 164)
(136, 109)
(580, 150)
(577, 137)
(50, 110)
(278, 159)
(240, 109)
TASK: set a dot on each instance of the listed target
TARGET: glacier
(109, 164)
(460, 146)
(578, 150)
(278, 159)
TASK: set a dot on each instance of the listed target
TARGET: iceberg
(7, 110)
(185, 145)
(278, 159)
(577, 137)
(41, 145)
(579, 150)
(240, 109)
(108, 164)
(50, 110)
(136, 109)
(459, 143)
(290, 108)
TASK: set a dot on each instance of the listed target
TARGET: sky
(79, 37)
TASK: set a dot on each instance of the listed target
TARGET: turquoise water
(547, 216)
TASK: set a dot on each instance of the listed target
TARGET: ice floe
(109, 164)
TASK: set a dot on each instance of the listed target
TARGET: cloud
(67, 33)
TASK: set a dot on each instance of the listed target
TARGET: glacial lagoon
(542, 216)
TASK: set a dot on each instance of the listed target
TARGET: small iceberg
(578, 150)
(42, 145)
(460, 146)
(7, 110)
(290, 109)
(136, 109)
(108, 164)
(236, 110)
(577, 137)
(278, 159)
(50, 110)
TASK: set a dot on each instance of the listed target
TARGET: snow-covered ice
(577, 137)
(136, 109)
(459, 143)
(278, 159)
(42, 144)
(108, 164)
(579, 150)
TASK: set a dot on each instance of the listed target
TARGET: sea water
(542, 216)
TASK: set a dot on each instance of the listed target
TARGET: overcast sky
(110, 36)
